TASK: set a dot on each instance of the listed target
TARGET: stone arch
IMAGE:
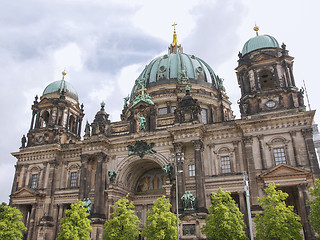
(45, 116)
(133, 167)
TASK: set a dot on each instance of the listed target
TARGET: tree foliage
(11, 226)
(277, 221)
(160, 222)
(314, 215)
(226, 220)
(123, 224)
(75, 225)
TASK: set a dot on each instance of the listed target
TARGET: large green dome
(259, 42)
(59, 87)
(174, 67)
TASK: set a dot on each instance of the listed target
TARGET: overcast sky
(105, 44)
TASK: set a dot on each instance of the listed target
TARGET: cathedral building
(177, 137)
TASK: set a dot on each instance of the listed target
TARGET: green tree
(160, 222)
(75, 225)
(123, 224)
(314, 215)
(226, 220)
(278, 221)
(11, 226)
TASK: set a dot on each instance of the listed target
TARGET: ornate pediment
(25, 193)
(285, 172)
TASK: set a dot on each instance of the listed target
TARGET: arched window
(225, 156)
(278, 149)
(34, 175)
(72, 123)
(45, 119)
(266, 80)
(73, 175)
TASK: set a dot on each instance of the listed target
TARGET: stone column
(311, 154)
(200, 176)
(98, 205)
(180, 174)
(32, 120)
(308, 232)
(31, 224)
(83, 192)
(275, 73)
(237, 156)
(253, 185)
(79, 127)
(293, 135)
(260, 138)
(37, 124)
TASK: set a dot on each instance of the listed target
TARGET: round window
(270, 104)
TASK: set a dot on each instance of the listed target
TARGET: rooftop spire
(256, 28)
(63, 74)
(174, 46)
(174, 42)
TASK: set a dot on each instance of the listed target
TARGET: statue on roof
(87, 129)
(125, 103)
(219, 83)
(142, 122)
(23, 141)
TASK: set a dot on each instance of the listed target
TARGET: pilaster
(199, 176)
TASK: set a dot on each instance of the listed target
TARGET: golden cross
(174, 26)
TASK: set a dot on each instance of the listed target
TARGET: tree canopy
(277, 220)
(160, 222)
(11, 226)
(226, 220)
(75, 225)
(314, 215)
(123, 224)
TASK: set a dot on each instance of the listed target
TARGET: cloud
(215, 31)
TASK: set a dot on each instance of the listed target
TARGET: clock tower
(265, 76)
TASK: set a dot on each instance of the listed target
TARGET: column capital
(247, 140)
(293, 133)
(260, 137)
(198, 144)
(307, 133)
(85, 157)
(178, 147)
(101, 156)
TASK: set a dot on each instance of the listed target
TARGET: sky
(103, 45)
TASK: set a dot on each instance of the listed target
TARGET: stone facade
(188, 122)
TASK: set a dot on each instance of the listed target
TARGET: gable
(284, 171)
(24, 193)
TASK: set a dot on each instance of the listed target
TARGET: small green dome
(259, 42)
(59, 87)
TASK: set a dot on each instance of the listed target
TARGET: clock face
(270, 104)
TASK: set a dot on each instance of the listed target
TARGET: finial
(188, 88)
(102, 104)
(63, 74)
(256, 28)
(174, 42)
(174, 27)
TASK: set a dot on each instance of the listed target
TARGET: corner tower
(265, 76)
(57, 117)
